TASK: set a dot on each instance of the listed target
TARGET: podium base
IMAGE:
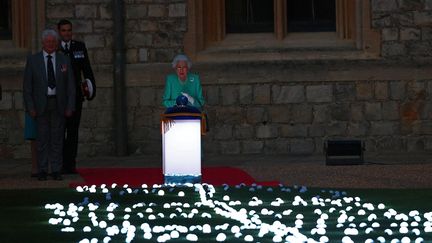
(182, 179)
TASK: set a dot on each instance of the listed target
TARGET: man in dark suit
(49, 97)
(85, 88)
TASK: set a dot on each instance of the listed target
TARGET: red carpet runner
(135, 177)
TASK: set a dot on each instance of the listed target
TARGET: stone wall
(406, 27)
(278, 107)
(283, 108)
(286, 106)
(154, 29)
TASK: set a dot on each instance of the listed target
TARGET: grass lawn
(207, 213)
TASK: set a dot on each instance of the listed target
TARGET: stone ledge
(252, 72)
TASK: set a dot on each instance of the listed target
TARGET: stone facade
(406, 27)
(154, 29)
(283, 107)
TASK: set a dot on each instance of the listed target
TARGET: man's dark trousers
(71, 139)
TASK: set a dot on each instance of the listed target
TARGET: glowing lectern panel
(181, 149)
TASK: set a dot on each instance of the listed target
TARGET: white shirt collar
(63, 43)
(45, 54)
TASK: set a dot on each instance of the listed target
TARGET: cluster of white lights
(263, 217)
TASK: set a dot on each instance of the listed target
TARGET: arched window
(211, 21)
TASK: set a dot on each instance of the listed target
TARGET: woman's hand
(190, 99)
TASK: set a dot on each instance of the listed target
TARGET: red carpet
(135, 177)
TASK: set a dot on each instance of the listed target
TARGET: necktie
(50, 71)
(66, 48)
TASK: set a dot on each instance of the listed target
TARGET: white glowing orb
(174, 234)
(102, 224)
(248, 238)
(66, 222)
(191, 237)
(221, 237)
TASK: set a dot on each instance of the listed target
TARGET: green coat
(174, 87)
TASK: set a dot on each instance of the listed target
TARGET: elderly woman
(182, 85)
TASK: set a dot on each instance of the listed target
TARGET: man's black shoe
(42, 176)
(57, 176)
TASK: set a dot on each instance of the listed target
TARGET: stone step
(11, 56)
(327, 55)
(297, 46)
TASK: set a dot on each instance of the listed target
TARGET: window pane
(311, 15)
(5, 20)
(249, 16)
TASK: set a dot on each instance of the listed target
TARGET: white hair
(49, 32)
(181, 57)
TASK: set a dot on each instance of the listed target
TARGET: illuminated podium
(181, 147)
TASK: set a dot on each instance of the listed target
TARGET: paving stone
(256, 115)
(94, 41)
(143, 54)
(383, 128)
(279, 113)
(410, 34)
(211, 94)
(229, 95)
(317, 129)
(373, 111)
(397, 90)
(336, 129)
(136, 11)
(321, 113)
(177, 10)
(340, 111)
(390, 110)
(319, 93)
(391, 48)
(156, 10)
(364, 91)
(390, 34)
(345, 92)
(244, 131)
(252, 147)
(423, 18)
(267, 131)
(223, 132)
(86, 11)
(288, 94)
(384, 5)
(276, 146)
(357, 129)
(381, 90)
(301, 113)
(302, 146)
(6, 101)
(389, 143)
(261, 94)
(295, 130)
(415, 144)
(245, 94)
(411, 4)
(230, 147)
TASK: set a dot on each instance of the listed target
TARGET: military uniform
(82, 71)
